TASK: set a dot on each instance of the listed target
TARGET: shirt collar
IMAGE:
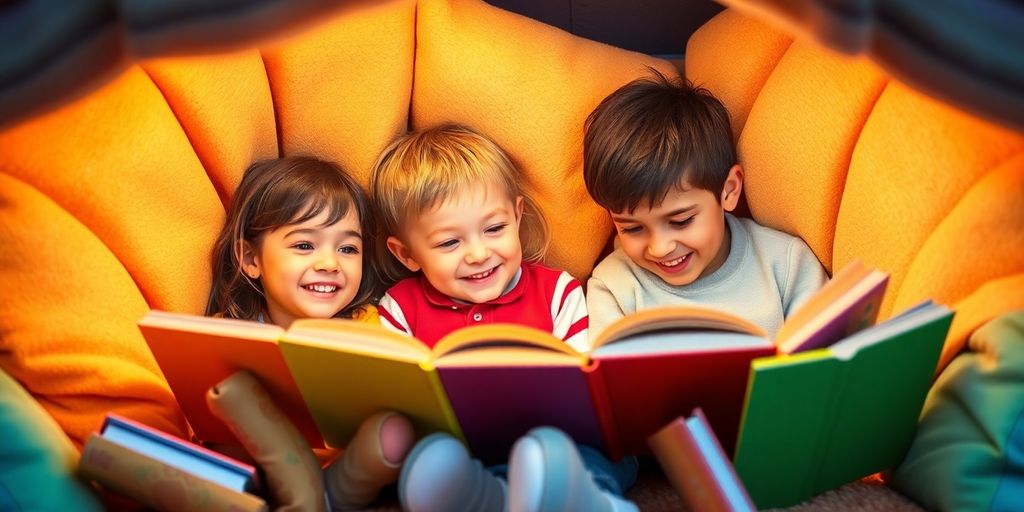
(516, 288)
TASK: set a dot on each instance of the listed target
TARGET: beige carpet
(652, 493)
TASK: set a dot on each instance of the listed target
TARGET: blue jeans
(611, 477)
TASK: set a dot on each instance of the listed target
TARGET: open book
(489, 384)
(819, 419)
(485, 384)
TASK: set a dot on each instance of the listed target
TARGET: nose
(327, 262)
(477, 252)
(660, 245)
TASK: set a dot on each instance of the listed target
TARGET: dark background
(655, 27)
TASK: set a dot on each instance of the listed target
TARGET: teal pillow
(968, 453)
(37, 461)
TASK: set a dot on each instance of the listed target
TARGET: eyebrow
(303, 231)
(493, 213)
(673, 213)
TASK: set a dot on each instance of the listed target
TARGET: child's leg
(372, 460)
(547, 473)
(439, 475)
(616, 478)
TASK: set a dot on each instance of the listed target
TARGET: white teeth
(673, 262)
(322, 288)
(481, 275)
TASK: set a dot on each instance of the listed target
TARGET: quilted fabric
(111, 203)
(529, 87)
(861, 166)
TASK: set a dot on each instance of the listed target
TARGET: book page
(840, 308)
(354, 336)
(211, 325)
(503, 344)
(833, 290)
(666, 318)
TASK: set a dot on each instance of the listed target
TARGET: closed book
(696, 465)
(127, 469)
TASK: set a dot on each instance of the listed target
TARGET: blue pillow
(37, 461)
(968, 453)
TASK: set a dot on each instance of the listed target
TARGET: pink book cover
(696, 465)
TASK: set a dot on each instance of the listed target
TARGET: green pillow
(968, 453)
(37, 461)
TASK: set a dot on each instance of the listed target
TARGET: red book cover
(195, 353)
(645, 389)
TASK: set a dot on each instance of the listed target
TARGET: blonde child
(659, 156)
(293, 246)
(457, 218)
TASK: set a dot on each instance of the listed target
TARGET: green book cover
(819, 419)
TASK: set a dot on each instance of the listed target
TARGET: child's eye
(681, 223)
(630, 230)
(447, 244)
(497, 228)
(348, 249)
(303, 246)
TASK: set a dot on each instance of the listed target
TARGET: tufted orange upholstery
(861, 166)
(110, 204)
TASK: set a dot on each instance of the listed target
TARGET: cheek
(632, 245)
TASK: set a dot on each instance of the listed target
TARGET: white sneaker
(547, 474)
(439, 476)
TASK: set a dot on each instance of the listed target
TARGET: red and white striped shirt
(546, 299)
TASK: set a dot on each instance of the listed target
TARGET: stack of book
(167, 473)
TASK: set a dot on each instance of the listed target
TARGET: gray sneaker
(439, 476)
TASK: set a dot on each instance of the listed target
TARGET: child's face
(468, 246)
(684, 237)
(308, 270)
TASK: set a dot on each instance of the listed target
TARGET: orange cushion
(529, 87)
(110, 204)
(861, 166)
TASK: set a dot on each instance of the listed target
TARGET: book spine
(446, 407)
(686, 468)
(603, 410)
(156, 484)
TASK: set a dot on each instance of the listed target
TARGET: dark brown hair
(275, 193)
(651, 135)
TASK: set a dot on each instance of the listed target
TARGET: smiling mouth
(482, 275)
(321, 288)
(671, 264)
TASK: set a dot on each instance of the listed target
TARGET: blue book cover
(181, 454)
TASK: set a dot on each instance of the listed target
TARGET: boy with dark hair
(658, 154)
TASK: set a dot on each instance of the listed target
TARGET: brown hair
(419, 169)
(275, 193)
(651, 135)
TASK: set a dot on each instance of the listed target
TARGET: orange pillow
(529, 87)
(110, 204)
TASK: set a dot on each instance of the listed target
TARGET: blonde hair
(421, 169)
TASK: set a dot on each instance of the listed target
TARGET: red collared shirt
(544, 298)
